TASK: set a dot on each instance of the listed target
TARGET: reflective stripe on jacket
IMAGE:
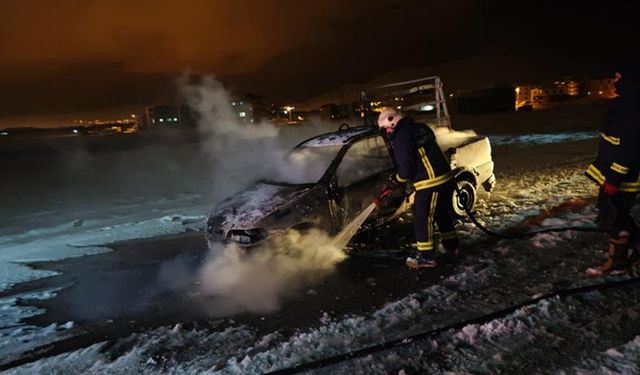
(618, 159)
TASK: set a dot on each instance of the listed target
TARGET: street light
(289, 110)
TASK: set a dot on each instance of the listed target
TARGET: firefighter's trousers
(614, 213)
(434, 207)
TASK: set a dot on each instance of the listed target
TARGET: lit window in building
(161, 120)
(242, 114)
(175, 119)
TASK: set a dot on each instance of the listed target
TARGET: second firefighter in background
(420, 161)
(617, 171)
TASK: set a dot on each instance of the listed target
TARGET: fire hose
(463, 200)
(409, 340)
(474, 220)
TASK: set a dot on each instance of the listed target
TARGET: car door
(361, 175)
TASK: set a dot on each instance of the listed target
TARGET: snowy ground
(596, 331)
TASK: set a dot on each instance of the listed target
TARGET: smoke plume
(255, 281)
(241, 152)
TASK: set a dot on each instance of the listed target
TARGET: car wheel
(466, 197)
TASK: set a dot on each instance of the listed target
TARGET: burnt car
(333, 177)
(328, 179)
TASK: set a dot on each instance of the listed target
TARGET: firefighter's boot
(618, 261)
(422, 259)
(451, 243)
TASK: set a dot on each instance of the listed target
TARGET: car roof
(339, 137)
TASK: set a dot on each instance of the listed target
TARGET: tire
(468, 195)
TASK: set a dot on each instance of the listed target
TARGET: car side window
(364, 159)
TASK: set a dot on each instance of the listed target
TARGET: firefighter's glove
(609, 188)
(386, 191)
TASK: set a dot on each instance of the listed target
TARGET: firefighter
(420, 161)
(617, 170)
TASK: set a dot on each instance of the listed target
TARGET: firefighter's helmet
(388, 118)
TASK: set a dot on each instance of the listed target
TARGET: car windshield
(306, 165)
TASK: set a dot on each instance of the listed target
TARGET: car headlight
(247, 236)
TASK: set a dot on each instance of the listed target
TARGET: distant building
(546, 93)
(603, 88)
(252, 108)
(243, 110)
(168, 116)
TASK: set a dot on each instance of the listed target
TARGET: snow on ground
(624, 359)
(539, 338)
(478, 285)
(588, 333)
(529, 140)
(73, 238)
(16, 337)
(78, 238)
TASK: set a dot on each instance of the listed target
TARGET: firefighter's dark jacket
(418, 157)
(618, 159)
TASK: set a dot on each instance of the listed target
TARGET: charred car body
(334, 176)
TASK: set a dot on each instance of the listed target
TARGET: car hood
(249, 208)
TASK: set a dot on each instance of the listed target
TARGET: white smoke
(257, 280)
(241, 153)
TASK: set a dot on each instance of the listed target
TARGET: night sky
(82, 56)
